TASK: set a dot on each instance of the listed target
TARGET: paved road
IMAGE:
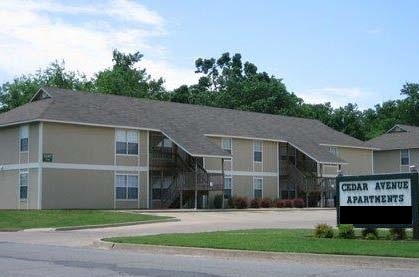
(41, 260)
(70, 253)
(190, 222)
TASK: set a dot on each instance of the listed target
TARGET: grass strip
(18, 220)
(281, 240)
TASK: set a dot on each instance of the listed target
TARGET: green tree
(21, 89)
(124, 78)
(229, 83)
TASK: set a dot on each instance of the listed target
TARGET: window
(126, 187)
(228, 187)
(257, 187)
(333, 150)
(404, 157)
(126, 142)
(226, 144)
(24, 138)
(23, 185)
(257, 151)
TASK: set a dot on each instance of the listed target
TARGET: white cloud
(35, 33)
(339, 96)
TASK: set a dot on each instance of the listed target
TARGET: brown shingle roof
(186, 124)
(403, 137)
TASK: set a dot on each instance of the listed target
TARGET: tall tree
(228, 82)
(125, 78)
(21, 89)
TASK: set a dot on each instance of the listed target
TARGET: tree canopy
(226, 82)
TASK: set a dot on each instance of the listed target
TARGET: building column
(222, 181)
(196, 184)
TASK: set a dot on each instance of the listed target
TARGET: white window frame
(255, 144)
(408, 157)
(333, 150)
(126, 186)
(231, 184)
(127, 141)
(22, 172)
(230, 144)
(23, 134)
(255, 179)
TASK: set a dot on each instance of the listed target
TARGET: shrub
(346, 231)
(230, 203)
(240, 202)
(369, 232)
(287, 203)
(266, 202)
(398, 234)
(277, 203)
(323, 231)
(298, 203)
(255, 203)
(371, 236)
(218, 201)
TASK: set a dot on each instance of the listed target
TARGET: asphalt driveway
(189, 222)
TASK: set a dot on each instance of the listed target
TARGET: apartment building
(71, 149)
(396, 150)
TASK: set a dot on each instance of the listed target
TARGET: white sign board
(393, 192)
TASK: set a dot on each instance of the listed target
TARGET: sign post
(379, 201)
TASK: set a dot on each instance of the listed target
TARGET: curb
(364, 261)
(231, 210)
(71, 228)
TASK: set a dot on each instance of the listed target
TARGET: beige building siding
(9, 189)
(359, 161)
(270, 187)
(243, 186)
(143, 185)
(9, 145)
(127, 160)
(77, 189)
(386, 161)
(79, 144)
(33, 142)
(33, 190)
(242, 155)
(414, 158)
(144, 148)
(270, 156)
(329, 170)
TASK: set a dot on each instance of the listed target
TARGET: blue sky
(337, 51)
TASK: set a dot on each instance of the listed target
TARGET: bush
(323, 231)
(255, 203)
(277, 203)
(346, 231)
(266, 203)
(240, 202)
(398, 234)
(218, 201)
(369, 232)
(287, 203)
(371, 236)
(298, 203)
(230, 203)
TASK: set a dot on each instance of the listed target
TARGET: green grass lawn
(281, 240)
(17, 220)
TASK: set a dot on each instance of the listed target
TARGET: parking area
(189, 222)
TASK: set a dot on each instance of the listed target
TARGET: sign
(47, 158)
(380, 201)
